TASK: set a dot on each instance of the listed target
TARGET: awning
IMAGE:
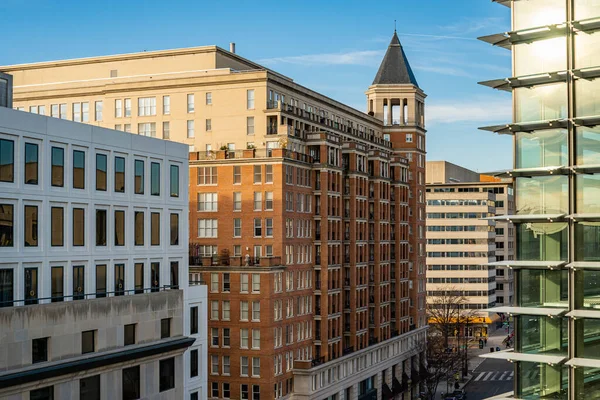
(544, 311)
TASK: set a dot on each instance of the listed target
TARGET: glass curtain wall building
(555, 88)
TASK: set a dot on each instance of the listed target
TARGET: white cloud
(469, 111)
(364, 57)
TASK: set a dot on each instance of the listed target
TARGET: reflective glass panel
(588, 193)
(587, 49)
(587, 384)
(541, 335)
(536, 13)
(542, 195)
(588, 335)
(540, 103)
(541, 56)
(585, 9)
(542, 241)
(587, 281)
(544, 148)
(541, 381)
(588, 145)
(587, 241)
(587, 97)
(542, 288)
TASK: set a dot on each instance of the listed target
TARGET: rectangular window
(6, 287)
(244, 366)
(127, 128)
(147, 129)
(257, 227)
(255, 283)
(190, 129)
(244, 338)
(243, 310)
(78, 282)
(31, 226)
(154, 277)
(139, 177)
(56, 226)
(269, 227)
(63, 111)
(57, 284)
(257, 174)
(226, 283)
(214, 310)
(89, 388)
(174, 180)
(100, 227)
(257, 201)
(155, 229)
(88, 342)
(127, 108)
(237, 201)
(174, 222)
(39, 350)
(208, 98)
(101, 171)
(119, 174)
(226, 366)
(31, 164)
(215, 387)
(131, 383)
(166, 126)
(58, 165)
(129, 334)
(255, 366)
(146, 106)
(31, 286)
(118, 108)
(256, 339)
(269, 201)
(214, 281)
(193, 363)
(250, 99)
(237, 175)
(207, 176)
(208, 202)
(78, 169)
(214, 365)
(7, 160)
(208, 125)
(166, 105)
(165, 328)
(77, 112)
(208, 228)
(174, 275)
(99, 106)
(237, 227)
(54, 110)
(244, 392)
(119, 279)
(256, 311)
(193, 320)
(78, 227)
(119, 228)
(268, 174)
(155, 179)
(85, 112)
(226, 309)
(250, 126)
(46, 393)
(190, 103)
(139, 278)
(100, 280)
(8, 224)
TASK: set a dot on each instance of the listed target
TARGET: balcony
(230, 261)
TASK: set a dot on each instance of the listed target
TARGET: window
(118, 108)
(167, 374)
(214, 281)
(190, 103)
(56, 226)
(193, 320)
(88, 342)
(63, 111)
(85, 112)
(138, 218)
(269, 227)
(174, 180)
(226, 283)
(146, 106)
(98, 110)
(131, 383)
(100, 227)
(244, 366)
(226, 337)
(54, 110)
(100, 280)
(226, 365)
(244, 392)
(268, 174)
(89, 388)
(237, 227)
(208, 228)
(147, 129)
(250, 125)
(226, 389)
(193, 363)
(166, 105)
(155, 179)
(154, 277)
(78, 282)
(207, 202)
(166, 130)
(127, 109)
(256, 311)
(244, 338)
(155, 229)
(119, 279)
(31, 286)
(78, 169)
(214, 365)
(208, 98)
(138, 278)
(214, 310)
(207, 176)
(39, 350)
(31, 163)
(77, 112)
(174, 229)
(255, 366)
(409, 138)
(226, 310)
(119, 174)
(129, 335)
(57, 284)
(46, 393)
(237, 250)
(208, 125)
(33, 109)
(78, 227)
(7, 159)
(119, 228)
(255, 283)
(215, 390)
(139, 177)
(190, 129)
(269, 201)
(256, 339)
(257, 201)
(237, 201)
(58, 164)
(127, 128)
(165, 328)
(194, 396)
(6, 287)
(31, 226)
(250, 99)
(257, 227)
(257, 174)
(244, 310)
(101, 169)
(237, 175)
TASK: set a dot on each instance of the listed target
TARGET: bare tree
(440, 364)
(445, 310)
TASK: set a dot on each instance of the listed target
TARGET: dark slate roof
(394, 68)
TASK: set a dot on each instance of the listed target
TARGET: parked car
(460, 394)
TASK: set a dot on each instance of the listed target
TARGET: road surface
(490, 378)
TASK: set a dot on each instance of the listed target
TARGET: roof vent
(232, 47)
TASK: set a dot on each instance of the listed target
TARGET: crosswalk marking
(503, 375)
(479, 376)
(512, 374)
(495, 376)
(488, 376)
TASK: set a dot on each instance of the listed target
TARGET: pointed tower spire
(394, 68)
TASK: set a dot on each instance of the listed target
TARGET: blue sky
(331, 46)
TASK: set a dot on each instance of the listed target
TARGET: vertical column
(390, 121)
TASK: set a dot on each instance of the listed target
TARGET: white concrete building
(94, 296)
